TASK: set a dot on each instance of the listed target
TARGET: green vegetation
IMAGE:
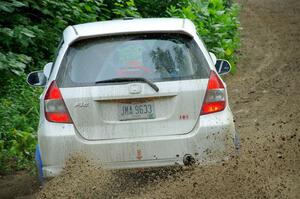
(216, 24)
(30, 30)
(19, 118)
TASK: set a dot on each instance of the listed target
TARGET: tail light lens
(215, 97)
(55, 108)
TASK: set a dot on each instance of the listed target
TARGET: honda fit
(133, 93)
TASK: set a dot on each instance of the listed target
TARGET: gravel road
(265, 99)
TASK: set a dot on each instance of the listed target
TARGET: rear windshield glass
(156, 57)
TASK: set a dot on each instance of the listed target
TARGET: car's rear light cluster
(55, 108)
(215, 97)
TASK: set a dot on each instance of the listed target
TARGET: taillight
(215, 97)
(55, 108)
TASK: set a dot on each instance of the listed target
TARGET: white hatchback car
(133, 94)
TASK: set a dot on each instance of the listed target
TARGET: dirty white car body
(177, 133)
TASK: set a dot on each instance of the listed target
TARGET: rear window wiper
(130, 79)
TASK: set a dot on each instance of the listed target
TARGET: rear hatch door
(131, 109)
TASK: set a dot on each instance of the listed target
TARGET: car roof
(128, 26)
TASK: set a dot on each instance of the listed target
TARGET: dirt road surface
(265, 99)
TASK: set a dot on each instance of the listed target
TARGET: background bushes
(19, 119)
(30, 31)
(216, 22)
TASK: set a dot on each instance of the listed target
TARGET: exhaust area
(188, 160)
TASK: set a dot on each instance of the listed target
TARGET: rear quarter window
(156, 57)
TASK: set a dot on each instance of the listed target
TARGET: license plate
(136, 111)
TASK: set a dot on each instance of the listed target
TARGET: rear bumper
(210, 141)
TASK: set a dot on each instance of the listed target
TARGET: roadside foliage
(30, 31)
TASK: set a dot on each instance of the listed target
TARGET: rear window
(156, 57)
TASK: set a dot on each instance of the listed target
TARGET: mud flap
(39, 165)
